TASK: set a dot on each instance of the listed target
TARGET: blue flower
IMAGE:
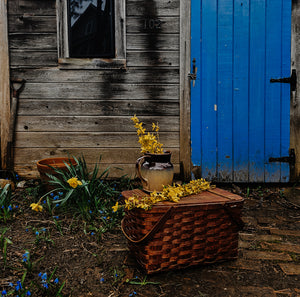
(3, 293)
(44, 201)
(18, 286)
(40, 274)
(56, 281)
(101, 211)
(26, 229)
(11, 284)
(37, 233)
(28, 293)
(25, 257)
(10, 208)
(92, 233)
(60, 193)
(101, 280)
(56, 217)
(56, 197)
(45, 285)
(2, 206)
(52, 194)
(44, 276)
(116, 275)
(90, 211)
(16, 206)
(44, 229)
(57, 204)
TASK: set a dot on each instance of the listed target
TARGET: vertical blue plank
(209, 89)
(224, 90)
(272, 97)
(285, 94)
(240, 90)
(196, 86)
(257, 91)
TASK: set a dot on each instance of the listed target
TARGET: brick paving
(271, 243)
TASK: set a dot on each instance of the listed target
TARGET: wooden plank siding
(4, 85)
(81, 111)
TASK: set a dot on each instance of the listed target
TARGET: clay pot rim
(45, 163)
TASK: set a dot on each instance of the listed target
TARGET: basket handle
(155, 228)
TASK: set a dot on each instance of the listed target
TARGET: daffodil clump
(170, 193)
(73, 183)
(149, 141)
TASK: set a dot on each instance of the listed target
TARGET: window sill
(82, 63)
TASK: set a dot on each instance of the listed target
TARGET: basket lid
(213, 196)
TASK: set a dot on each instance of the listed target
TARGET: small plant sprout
(5, 203)
(141, 282)
(50, 285)
(42, 235)
(4, 241)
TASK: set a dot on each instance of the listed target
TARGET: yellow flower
(115, 207)
(149, 142)
(74, 182)
(170, 193)
(135, 119)
(155, 127)
(36, 207)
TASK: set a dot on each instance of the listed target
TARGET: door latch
(292, 80)
(193, 75)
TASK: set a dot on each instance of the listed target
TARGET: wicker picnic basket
(200, 229)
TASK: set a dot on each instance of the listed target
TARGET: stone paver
(284, 292)
(284, 247)
(244, 264)
(249, 221)
(277, 231)
(290, 268)
(266, 220)
(257, 291)
(262, 255)
(259, 237)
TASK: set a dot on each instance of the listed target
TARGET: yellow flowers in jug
(149, 141)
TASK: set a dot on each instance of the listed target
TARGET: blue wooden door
(239, 119)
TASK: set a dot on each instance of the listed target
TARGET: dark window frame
(116, 62)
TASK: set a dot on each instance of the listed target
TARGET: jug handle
(140, 161)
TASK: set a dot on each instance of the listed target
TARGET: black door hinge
(292, 80)
(291, 159)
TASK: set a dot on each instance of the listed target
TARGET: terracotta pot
(155, 171)
(44, 169)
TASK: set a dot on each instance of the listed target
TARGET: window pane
(91, 28)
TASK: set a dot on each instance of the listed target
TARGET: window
(91, 33)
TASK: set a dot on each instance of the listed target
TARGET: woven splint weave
(200, 229)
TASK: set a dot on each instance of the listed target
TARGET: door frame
(185, 89)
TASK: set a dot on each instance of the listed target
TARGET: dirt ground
(268, 263)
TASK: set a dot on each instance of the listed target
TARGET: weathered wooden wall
(88, 111)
